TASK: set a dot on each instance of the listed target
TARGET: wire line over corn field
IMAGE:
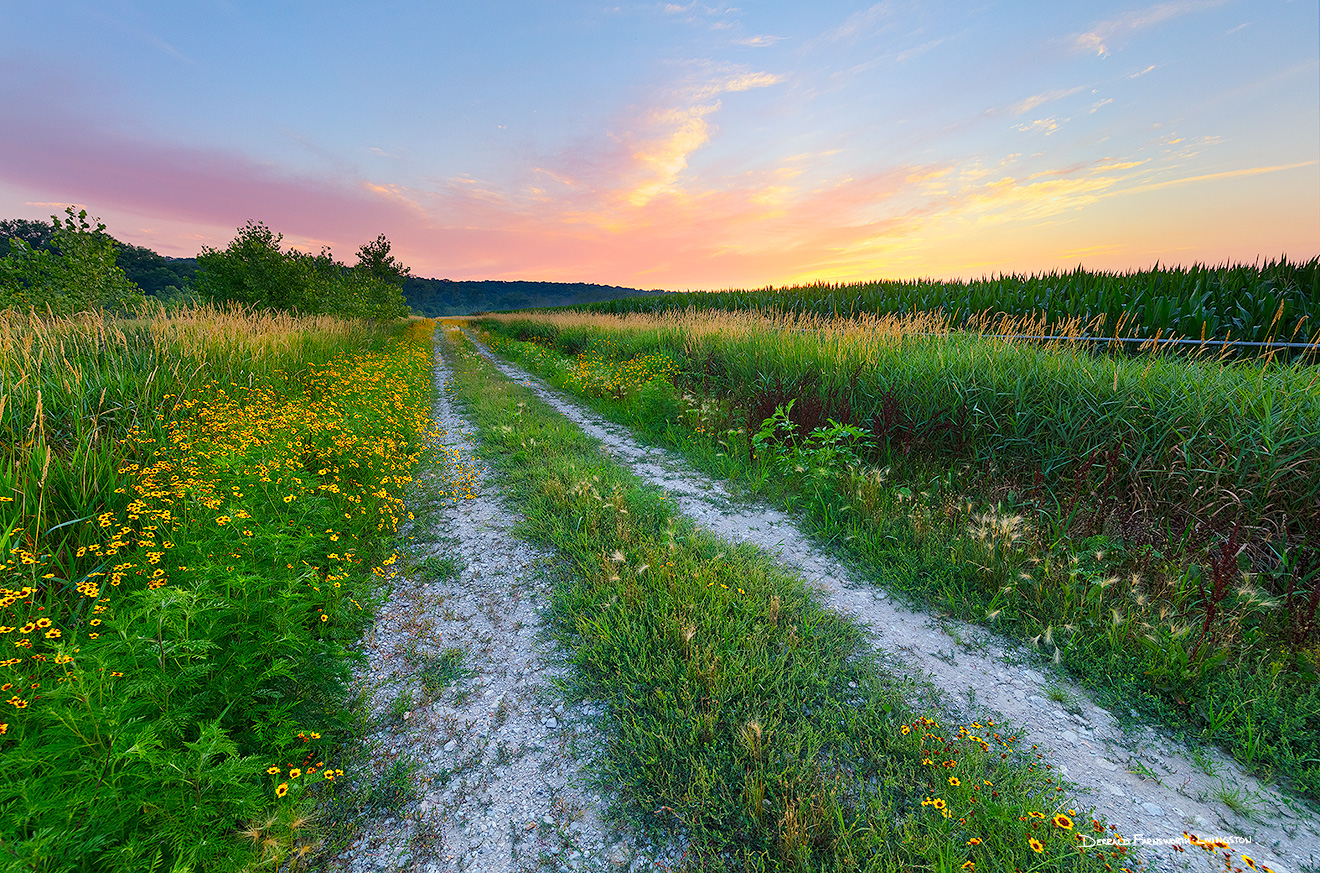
(1278, 301)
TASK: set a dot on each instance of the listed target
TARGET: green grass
(437, 568)
(1168, 625)
(197, 509)
(738, 710)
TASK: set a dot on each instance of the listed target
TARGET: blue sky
(678, 145)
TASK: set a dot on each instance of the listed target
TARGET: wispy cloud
(1030, 103)
(135, 29)
(214, 186)
(758, 41)
(861, 24)
(917, 50)
(1046, 126)
(1227, 174)
(1097, 40)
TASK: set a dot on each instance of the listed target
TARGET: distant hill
(441, 297)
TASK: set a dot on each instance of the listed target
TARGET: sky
(677, 145)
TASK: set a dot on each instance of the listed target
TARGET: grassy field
(1148, 523)
(742, 714)
(1278, 301)
(198, 514)
(195, 512)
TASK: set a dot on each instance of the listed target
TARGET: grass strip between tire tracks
(740, 712)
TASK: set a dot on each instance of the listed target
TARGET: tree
(386, 276)
(74, 272)
(255, 271)
(375, 258)
(37, 234)
(252, 270)
(152, 272)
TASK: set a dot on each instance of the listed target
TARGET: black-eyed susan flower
(1062, 821)
(281, 789)
(1036, 846)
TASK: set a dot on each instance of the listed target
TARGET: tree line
(72, 264)
(442, 297)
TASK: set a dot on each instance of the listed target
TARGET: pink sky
(826, 146)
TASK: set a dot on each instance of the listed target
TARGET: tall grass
(1193, 446)
(194, 503)
(1149, 523)
(69, 386)
(1270, 302)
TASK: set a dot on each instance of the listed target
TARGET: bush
(254, 271)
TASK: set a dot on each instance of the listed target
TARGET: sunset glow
(668, 145)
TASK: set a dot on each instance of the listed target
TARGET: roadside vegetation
(1277, 301)
(195, 510)
(1147, 523)
(743, 715)
(197, 505)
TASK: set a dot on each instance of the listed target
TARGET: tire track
(473, 754)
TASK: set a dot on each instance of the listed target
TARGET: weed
(1238, 799)
(434, 569)
(1141, 771)
(402, 704)
(441, 670)
(395, 788)
(1063, 696)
